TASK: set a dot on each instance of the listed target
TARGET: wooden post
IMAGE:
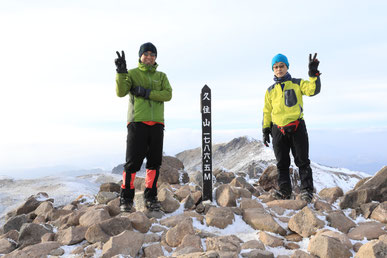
(205, 98)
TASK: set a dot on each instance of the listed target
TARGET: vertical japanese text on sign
(206, 143)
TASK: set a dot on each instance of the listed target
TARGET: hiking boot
(307, 196)
(281, 195)
(153, 204)
(126, 205)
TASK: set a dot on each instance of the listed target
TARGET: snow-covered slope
(245, 154)
(63, 189)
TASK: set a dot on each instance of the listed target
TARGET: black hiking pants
(143, 141)
(298, 143)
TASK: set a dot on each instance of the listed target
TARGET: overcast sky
(58, 106)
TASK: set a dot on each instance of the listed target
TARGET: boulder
(225, 196)
(192, 243)
(241, 182)
(31, 234)
(110, 187)
(189, 202)
(184, 178)
(253, 244)
(366, 209)
(196, 178)
(224, 177)
(229, 243)
(36, 250)
(12, 235)
(380, 213)
(219, 217)
(172, 220)
(126, 243)
(324, 246)
(257, 254)
(302, 254)
(372, 249)
(31, 204)
(176, 234)
(373, 189)
(331, 194)
(370, 230)
(288, 204)
(247, 203)
(151, 238)
(102, 231)
(259, 219)
(269, 240)
(44, 208)
(343, 238)
(305, 222)
(354, 199)
(73, 218)
(153, 251)
(337, 219)
(294, 237)
(71, 235)
(188, 250)
(168, 174)
(183, 192)
(322, 205)
(140, 221)
(114, 207)
(15, 223)
(379, 183)
(105, 197)
(168, 203)
(172, 162)
(56, 213)
(268, 179)
(7, 245)
(48, 237)
(93, 216)
(241, 192)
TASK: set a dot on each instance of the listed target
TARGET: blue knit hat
(279, 58)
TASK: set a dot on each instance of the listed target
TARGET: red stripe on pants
(131, 182)
(123, 186)
(150, 178)
(133, 176)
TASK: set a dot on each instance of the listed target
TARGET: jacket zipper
(150, 102)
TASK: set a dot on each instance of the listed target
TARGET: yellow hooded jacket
(283, 106)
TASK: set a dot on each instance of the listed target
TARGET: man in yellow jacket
(283, 120)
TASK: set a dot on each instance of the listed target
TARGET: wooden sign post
(205, 98)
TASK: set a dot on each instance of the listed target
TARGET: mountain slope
(250, 156)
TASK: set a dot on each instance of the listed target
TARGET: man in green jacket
(283, 120)
(148, 89)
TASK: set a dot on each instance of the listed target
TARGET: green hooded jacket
(140, 109)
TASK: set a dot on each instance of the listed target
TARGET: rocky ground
(242, 221)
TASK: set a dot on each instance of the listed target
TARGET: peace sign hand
(313, 66)
(121, 62)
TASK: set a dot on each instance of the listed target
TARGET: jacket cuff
(266, 130)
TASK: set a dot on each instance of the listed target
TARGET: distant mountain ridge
(250, 156)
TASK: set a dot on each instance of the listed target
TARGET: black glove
(121, 63)
(141, 92)
(266, 136)
(313, 65)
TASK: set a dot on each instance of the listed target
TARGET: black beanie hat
(147, 47)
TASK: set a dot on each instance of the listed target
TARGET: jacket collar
(286, 77)
(147, 68)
